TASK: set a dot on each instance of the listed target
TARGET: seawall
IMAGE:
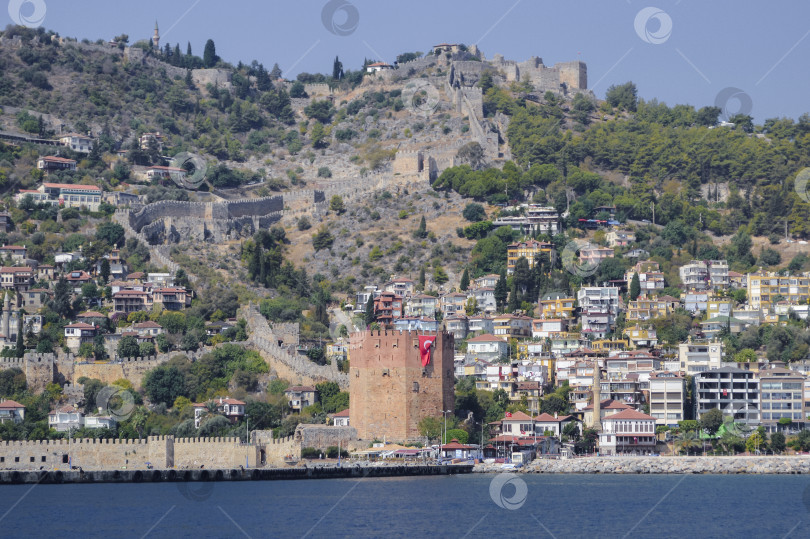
(224, 474)
(665, 465)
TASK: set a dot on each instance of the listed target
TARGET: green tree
(465, 281)
(711, 420)
(369, 314)
(210, 58)
(322, 239)
(457, 434)
(777, 442)
(61, 303)
(164, 384)
(318, 136)
(501, 292)
(635, 287)
(337, 69)
(430, 427)
(146, 349)
(20, 348)
(474, 212)
(104, 270)
(421, 231)
(112, 233)
(623, 97)
(754, 443)
(336, 204)
(128, 347)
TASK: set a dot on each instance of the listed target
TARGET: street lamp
(444, 437)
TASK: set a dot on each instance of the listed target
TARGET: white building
(627, 433)
(667, 396)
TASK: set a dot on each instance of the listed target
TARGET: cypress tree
(635, 287)
(465, 280)
(369, 316)
(501, 291)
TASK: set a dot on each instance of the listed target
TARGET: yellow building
(645, 308)
(557, 308)
(607, 345)
(527, 249)
(764, 288)
(639, 337)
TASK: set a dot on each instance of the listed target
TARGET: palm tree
(688, 440)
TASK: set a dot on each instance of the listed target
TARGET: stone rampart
(157, 451)
(296, 368)
(324, 436)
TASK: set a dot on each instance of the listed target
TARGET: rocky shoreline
(661, 465)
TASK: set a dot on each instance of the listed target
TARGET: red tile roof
(72, 186)
(342, 413)
(91, 314)
(486, 337)
(609, 404)
(147, 324)
(9, 404)
(80, 325)
(55, 159)
(21, 269)
(629, 414)
(517, 416)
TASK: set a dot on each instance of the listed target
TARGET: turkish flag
(425, 345)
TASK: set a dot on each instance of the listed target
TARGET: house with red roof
(628, 432)
(67, 195)
(377, 67)
(607, 408)
(456, 450)
(233, 409)
(51, 163)
(11, 411)
(340, 419)
(79, 333)
(17, 253)
(487, 346)
(553, 423)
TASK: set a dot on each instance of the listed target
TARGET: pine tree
(501, 291)
(188, 49)
(422, 277)
(465, 280)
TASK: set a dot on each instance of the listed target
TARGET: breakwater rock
(664, 465)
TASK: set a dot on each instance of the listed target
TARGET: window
(416, 387)
(33, 459)
(16, 459)
(43, 458)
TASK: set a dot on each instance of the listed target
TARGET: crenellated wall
(157, 451)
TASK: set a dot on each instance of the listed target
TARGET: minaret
(156, 38)
(597, 396)
(6, 318)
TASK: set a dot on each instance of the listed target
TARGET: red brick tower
(390, 391)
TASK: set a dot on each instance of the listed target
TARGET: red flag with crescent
(425, 346)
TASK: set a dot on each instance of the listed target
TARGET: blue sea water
(453, 506)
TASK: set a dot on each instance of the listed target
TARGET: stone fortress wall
(158, 451)
(287, 364)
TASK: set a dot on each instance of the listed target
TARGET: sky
(749, 57)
